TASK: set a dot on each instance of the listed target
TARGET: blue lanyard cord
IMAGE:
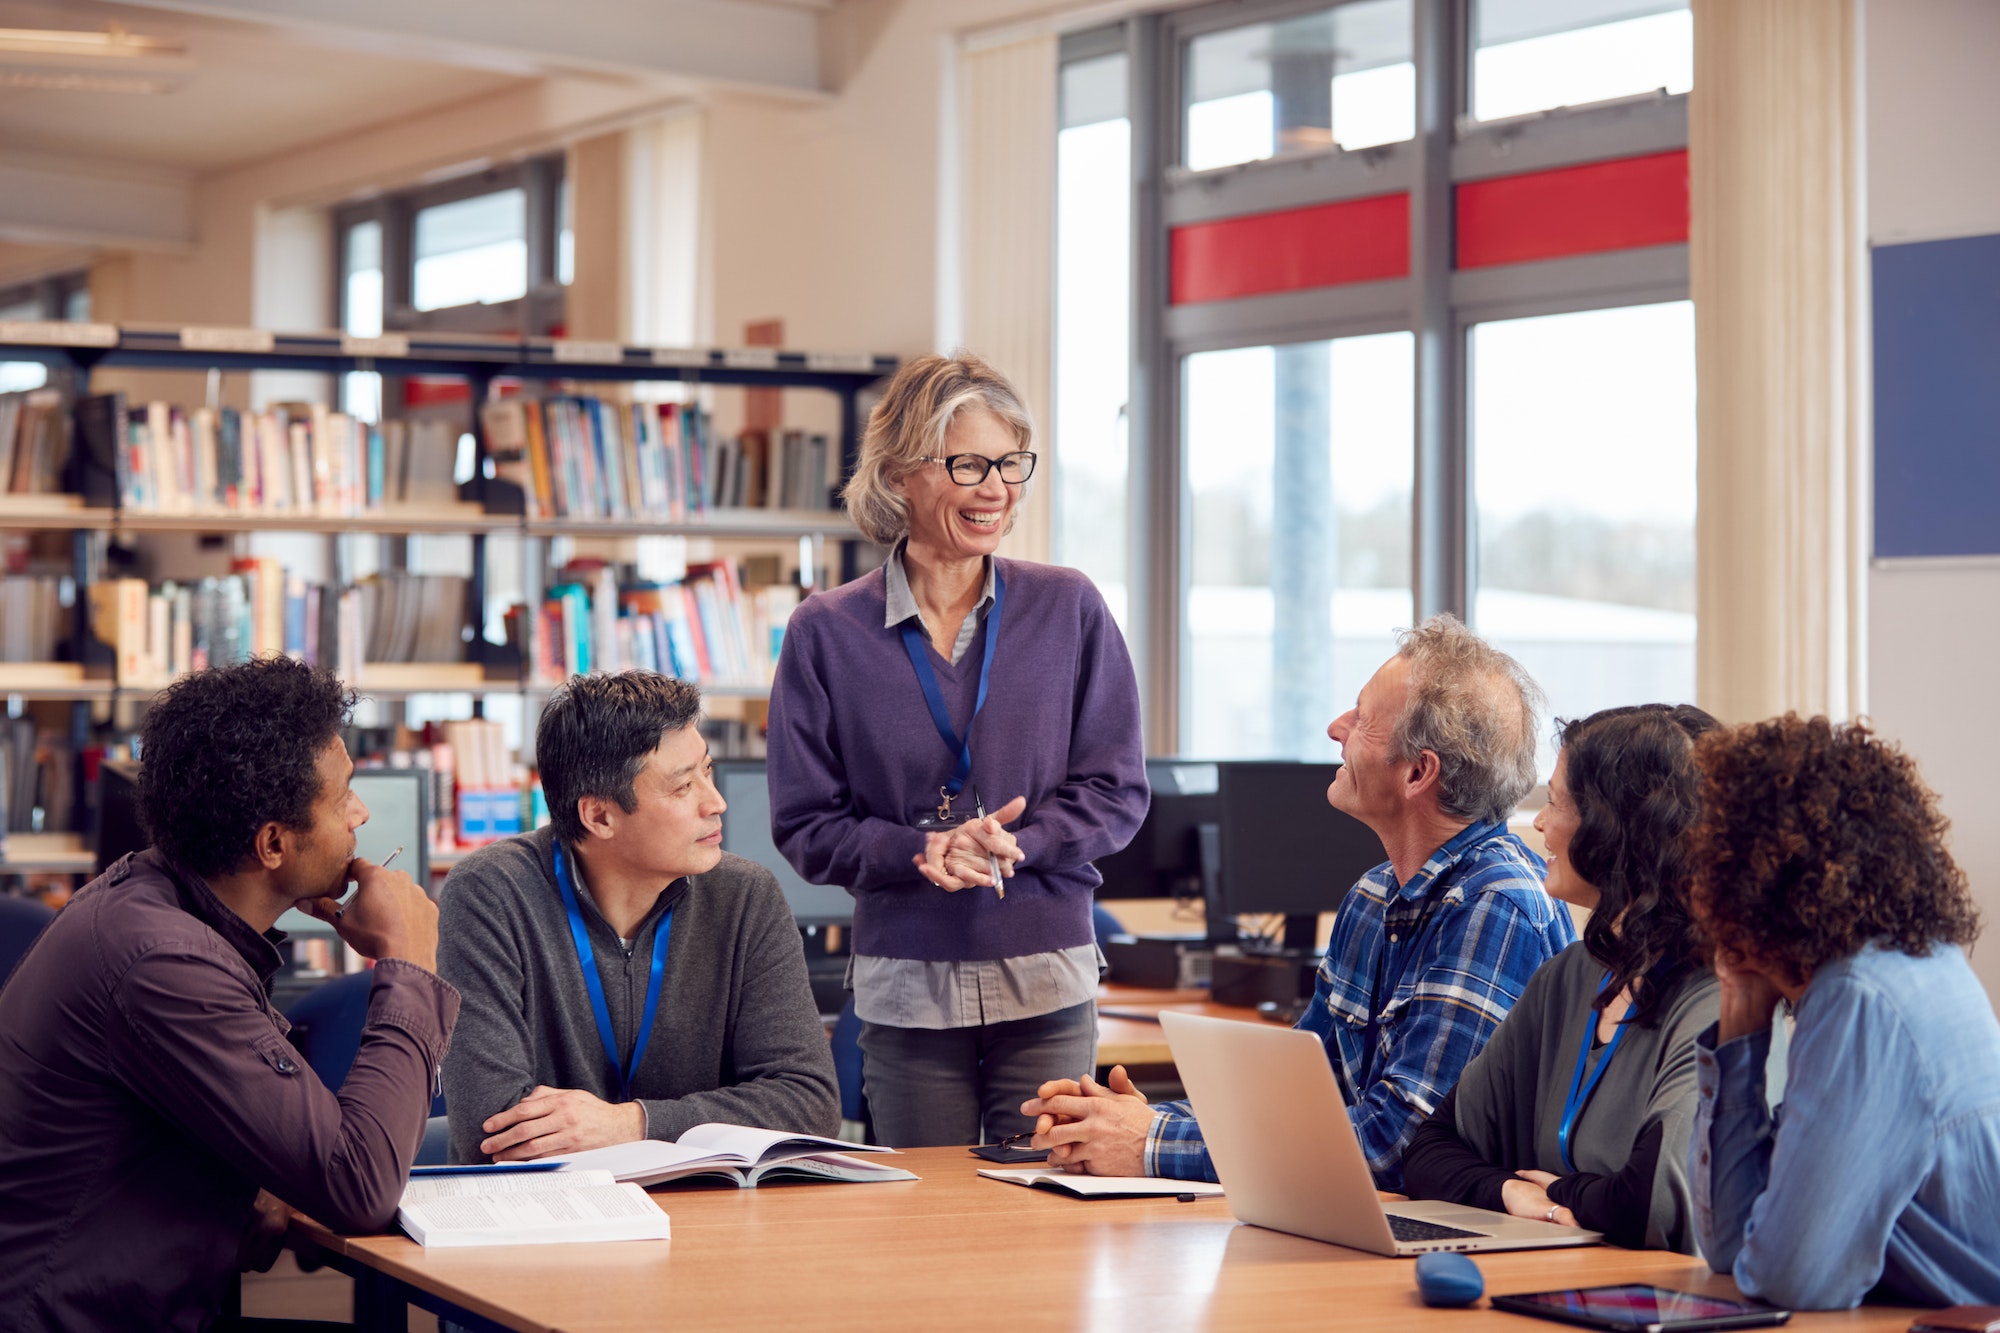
(1579, 1089)
(586, 957)
(915, 645)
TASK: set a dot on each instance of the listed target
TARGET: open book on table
(736, 1153)
(1099, 1187)
(526, 1208)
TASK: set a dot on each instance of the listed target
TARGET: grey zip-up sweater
(736, 1039)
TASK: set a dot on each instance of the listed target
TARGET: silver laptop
(1278, 1131)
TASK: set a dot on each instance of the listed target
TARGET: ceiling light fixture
(112, 61)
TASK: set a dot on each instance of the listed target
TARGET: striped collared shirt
(1415, 979)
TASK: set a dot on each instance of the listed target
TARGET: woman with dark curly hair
(1578, 1110)
(1821, 879)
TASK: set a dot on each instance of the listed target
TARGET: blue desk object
(1447, 1280)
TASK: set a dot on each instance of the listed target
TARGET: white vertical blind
(1777, 251)
(1006, 223)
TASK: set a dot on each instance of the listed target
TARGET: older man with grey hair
(1431, 948)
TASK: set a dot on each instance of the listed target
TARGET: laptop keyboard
(1412, 1229)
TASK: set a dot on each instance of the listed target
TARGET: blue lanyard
(621, 1074)
(1579, 1090)
(915, 645)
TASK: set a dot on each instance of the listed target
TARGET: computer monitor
(746, 831)
(1164, 857)
(398, 801)
(1284, 849)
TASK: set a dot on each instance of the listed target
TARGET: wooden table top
(954, 1250)
(1139, 1041)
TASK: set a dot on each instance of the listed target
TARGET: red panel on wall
(1574, 210)
(1355, 240)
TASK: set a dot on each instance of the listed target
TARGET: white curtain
(1006, 171)
(1778, 253)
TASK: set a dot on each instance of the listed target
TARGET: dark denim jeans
(930, 1088)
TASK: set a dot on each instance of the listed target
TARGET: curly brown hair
(1816, 840)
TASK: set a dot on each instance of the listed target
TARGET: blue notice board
(1937, 398)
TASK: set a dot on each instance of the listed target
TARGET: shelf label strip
(387, 344)
(204, 339)
(850, 362)
(58, 333)
(572, 351)
(680, 356)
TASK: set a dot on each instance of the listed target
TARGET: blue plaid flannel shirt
(1461, 940)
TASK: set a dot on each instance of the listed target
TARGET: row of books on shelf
(293, 458)
(31, 615)
(579, 457)
(261, 610)
(572, 457)
(34, 442)
(705, 628)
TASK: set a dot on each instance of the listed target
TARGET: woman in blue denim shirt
(1821, 879)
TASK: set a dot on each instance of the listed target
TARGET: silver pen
(386, 862)
(992, 861)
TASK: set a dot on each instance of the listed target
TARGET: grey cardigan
(736, 1038)
(1510, 1098)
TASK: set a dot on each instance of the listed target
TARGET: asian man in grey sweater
(623, 976)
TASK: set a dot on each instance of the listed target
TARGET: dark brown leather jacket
(147, 1091)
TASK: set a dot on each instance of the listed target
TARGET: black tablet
(1641, 1309)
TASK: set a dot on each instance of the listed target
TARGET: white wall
(827, 216)
(1934, 627)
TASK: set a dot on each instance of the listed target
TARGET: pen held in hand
(387, 861)
(992, 861)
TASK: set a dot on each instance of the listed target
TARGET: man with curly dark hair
(1821, 880)
(148, 1097)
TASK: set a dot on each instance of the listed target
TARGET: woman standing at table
(1578, 1110)
(955, 737)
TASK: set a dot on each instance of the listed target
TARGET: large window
(1583, 445)
(1093, 343)
(1299, 467)
(1339, 76)
(1530, 55)
(486, 253)
(1388, 358)
(472, 251)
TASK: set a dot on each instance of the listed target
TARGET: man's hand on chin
(551, 1121)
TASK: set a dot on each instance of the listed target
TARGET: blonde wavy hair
(909, 426)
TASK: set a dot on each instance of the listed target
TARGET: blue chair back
(847, 1063)
(1103, 924)
(22, 920)
(326, 1027)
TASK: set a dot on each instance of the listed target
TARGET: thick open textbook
(527, 1208)
(738, 1154)
(1099, 1187)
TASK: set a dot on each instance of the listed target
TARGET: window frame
(1436, 301)
(538, 313)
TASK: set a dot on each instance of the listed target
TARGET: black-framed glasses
(971, 469)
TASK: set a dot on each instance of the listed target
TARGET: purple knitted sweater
(855, 758)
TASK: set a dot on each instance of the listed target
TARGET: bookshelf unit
(486, 506)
